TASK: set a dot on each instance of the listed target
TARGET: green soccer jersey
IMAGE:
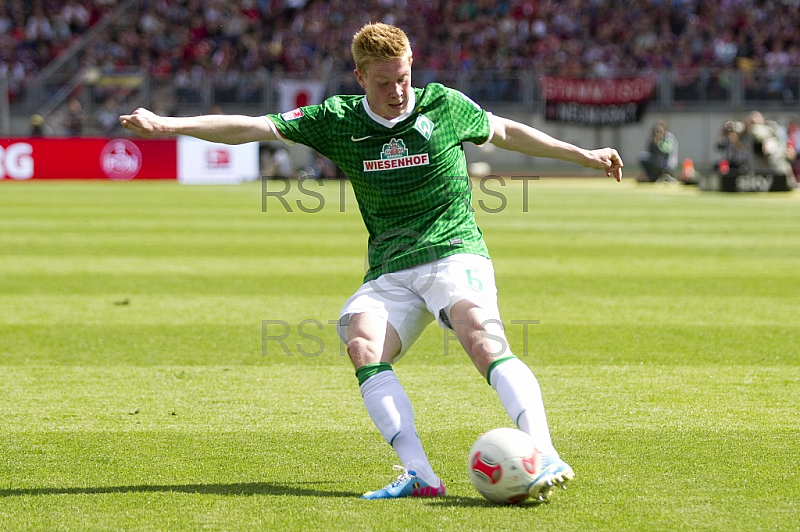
(410, 177)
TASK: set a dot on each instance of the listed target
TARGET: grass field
(140, 388)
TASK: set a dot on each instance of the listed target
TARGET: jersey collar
(412, 101)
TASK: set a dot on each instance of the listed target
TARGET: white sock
(521, 396)
(390, 409)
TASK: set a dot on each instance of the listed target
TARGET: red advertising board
(88, 158)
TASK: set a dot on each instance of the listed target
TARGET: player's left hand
(608, 159)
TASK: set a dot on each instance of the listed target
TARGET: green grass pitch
(143, 385)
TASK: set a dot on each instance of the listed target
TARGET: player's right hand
(146, 124)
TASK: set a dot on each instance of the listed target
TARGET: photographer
(661, 158)
(733, 150)
(767, 150)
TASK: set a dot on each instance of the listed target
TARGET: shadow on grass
(247, 488)
(480, 502)
(304, 489)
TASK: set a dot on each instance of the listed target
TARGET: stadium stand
(184, 42)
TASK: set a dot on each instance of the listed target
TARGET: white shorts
(410, 299)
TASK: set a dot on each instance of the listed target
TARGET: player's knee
(362, 351)
(485, 345)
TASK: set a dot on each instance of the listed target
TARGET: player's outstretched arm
(514, 136)
(228, 129)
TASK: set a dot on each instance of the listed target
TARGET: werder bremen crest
(424, 126)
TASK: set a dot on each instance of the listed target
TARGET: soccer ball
(502, 465)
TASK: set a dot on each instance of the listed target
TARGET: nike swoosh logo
(359, 139)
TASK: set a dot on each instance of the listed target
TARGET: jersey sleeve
(303, 125)
(470, 121)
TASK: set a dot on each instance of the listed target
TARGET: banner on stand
(600, 102)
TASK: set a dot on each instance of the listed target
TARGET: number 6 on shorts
(473, 281)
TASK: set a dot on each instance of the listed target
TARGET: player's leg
(481, 334)
(462, 293)
(464, 297)
(372, 344)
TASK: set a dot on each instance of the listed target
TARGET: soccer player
(402, 150)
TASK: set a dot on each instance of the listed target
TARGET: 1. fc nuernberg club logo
(395, 155)
(120, 160)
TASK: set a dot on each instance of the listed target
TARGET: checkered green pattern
(411, 180)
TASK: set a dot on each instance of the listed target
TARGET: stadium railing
(688, 89)
(676, 90)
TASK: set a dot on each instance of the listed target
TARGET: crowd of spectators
(191, 41)
(195, 38)
(32, 34)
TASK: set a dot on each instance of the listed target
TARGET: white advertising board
(208, 163)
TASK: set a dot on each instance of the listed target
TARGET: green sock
(368, 370)
(494, 365)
